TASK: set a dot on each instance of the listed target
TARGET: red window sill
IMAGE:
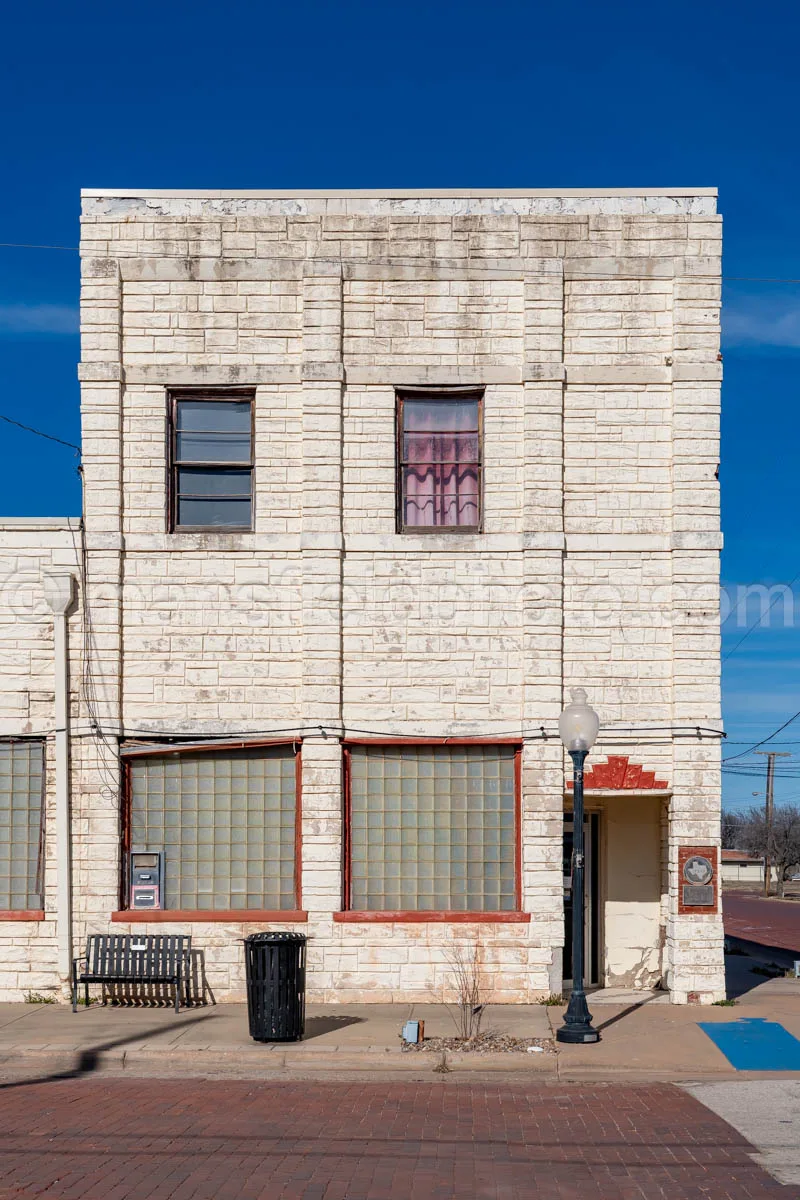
(21, 914)
(454, 918)
(237, 916)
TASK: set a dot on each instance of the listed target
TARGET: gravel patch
(484, 1043)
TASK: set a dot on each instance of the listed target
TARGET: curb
(274, 1061)
(239, 1063)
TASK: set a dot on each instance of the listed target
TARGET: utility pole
(770, 756)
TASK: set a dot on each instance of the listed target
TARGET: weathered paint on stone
(593, 321)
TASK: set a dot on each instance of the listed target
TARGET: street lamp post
(578, 727)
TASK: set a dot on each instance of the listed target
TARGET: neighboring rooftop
(12, 523)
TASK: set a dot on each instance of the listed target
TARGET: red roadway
(185, 1139)
(768, 922)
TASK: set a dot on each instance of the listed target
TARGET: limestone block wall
(456, 323)
(211, 641)
(212, 323)
(433, 637)
(591, 322)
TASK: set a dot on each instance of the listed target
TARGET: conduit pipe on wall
(59, 591)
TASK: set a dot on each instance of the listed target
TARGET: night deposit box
(147, 878)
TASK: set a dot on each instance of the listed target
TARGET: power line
(763, 742)
(756, 279)
(741, 806)
(39, 433)
(759, 619)
(785, 742)
(537, 732)
(752, 768)
(32, 246)
(752, 771)
(596, 274)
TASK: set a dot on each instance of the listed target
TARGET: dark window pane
(213, 433)
(437, 416)
(193, 481)
(214, 416)
(231, 514)
(212, 447)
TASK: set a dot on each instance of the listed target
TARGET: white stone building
(371, 481)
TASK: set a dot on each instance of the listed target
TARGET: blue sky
(364, 94)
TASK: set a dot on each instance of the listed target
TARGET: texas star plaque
(698, 869)
(697, 884)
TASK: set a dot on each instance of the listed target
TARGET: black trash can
(275, 969)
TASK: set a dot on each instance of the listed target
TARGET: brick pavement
(101, 1139)
(768, 922)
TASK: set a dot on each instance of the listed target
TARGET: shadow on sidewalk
(749, 964)
(317, 1026)
(90, 1060)
(621, 1015)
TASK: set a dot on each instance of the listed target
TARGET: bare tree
(465, 979)
(782, 843)
(732, 826)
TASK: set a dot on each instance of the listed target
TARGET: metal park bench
(128, 958)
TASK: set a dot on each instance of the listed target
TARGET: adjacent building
(737, 866)
(371, 481)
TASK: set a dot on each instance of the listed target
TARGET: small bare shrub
(466, 982)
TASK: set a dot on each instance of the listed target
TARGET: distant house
(739, 867)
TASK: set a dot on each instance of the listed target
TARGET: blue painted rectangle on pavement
(754, 1044)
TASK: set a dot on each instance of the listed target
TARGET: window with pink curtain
(440, 462)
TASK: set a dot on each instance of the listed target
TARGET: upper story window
(439, 462)
(211, 485)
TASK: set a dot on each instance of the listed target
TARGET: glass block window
(433, 827)
(21, 825)
(226, 822)
(212, 462)
(440, 462)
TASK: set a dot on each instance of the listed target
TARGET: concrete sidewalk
(642, 1038)
(215, 1040)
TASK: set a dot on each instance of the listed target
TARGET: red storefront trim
(236, 916)
(205, 747)
(456, 917)
(440, 916)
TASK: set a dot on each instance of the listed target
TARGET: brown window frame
(480, 916)
(239, 915)
(433, 393)
(233, 395)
